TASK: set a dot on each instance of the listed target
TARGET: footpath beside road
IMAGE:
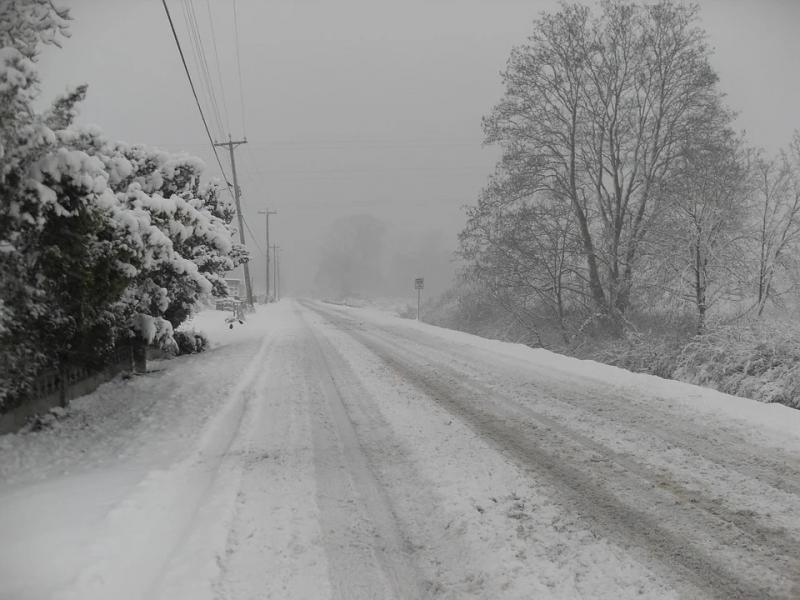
(328, 452)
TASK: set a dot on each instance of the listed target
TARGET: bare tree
(702, 237)
(777, 214)
(596, 112)
(524, 251)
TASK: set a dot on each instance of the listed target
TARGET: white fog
(399, 299)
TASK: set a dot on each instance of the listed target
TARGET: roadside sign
(418, 285)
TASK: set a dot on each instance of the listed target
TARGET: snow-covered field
(330, 452)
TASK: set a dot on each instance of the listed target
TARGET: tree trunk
(700, 288)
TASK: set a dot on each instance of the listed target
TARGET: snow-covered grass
(757, 359)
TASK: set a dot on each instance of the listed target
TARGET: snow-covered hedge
(99, 240)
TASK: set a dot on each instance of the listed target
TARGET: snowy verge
(212, 323)
(401, 307)
(706, 401)
(139, 548)
(110, 499)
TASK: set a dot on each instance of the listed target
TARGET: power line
(348, 142)
(203, 118)
(380, 143)
(253, 179)
(219, 70)
(239, 65)
(194, 93)
(253, 235)
(196, 39)
(252, 173)
(193, 45)
(370, 169)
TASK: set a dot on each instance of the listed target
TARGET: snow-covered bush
(656, 355)
(98, 240)
(190, 342)
(24, 138)
(756, 360)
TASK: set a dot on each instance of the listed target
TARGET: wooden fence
(56, 387)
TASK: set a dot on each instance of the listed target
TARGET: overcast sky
(364, 106)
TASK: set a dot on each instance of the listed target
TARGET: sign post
(419, 283)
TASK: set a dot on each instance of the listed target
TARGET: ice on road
(327, 452)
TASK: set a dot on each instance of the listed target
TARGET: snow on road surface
(329, 452)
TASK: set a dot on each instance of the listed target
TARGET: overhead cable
(219, 69)
(239, 67)
(194, 93)
(196, 39)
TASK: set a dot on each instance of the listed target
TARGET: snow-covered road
(328, 452)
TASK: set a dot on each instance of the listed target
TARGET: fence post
(123, 357)
(139, 349)
(62, 386)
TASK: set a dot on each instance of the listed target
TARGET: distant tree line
(623, 185)
(99, 241)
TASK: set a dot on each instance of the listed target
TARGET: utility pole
(230, 144)
(275, 249)
(419, 284)
(267, 213)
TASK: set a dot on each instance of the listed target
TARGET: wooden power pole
(275, 272)
(268, 213)
(230, 144)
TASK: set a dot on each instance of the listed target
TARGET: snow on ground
(62, 488)
(775, 417)
(321, 451)
(496, 532)
(393, 306)
(701, 484)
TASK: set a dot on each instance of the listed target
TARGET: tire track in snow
(767, 538)
(273, 545)
(604, 509)
(781, 471)
(588, 495)
(479, 527)
(755, 488)
(770, 470)
(366, 550)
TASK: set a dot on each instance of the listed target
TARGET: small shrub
(43, 421)
(190, 342)
(407, 312)
(642, 354)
